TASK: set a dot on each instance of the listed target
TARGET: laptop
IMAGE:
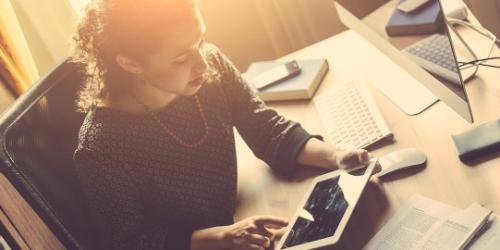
(442, 52)
(325, 210)
(435, 54)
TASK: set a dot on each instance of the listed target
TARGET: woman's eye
(185, 58)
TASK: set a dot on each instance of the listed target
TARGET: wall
(487, 12)
(48, 26)
(361, 8)
(246, 30)
(267, 29)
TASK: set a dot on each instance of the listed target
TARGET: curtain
(17, 68)
(35, 36)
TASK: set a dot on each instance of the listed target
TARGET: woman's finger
(262, 230)
(363, 157)
(271, 221)
(258, 240)
(254, 247)
(353, 158)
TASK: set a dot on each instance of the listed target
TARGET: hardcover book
(423, 21)
(302, 86)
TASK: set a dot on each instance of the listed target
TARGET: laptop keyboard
(350, 116)
(435, 49)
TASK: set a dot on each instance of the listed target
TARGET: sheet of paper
(489, 238)
(423, 223)
(455, 230)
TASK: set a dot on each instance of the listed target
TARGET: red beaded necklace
(172, 134)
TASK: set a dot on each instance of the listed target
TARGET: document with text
(423, 223)
(489, 237)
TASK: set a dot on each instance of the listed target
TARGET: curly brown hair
(128, 27)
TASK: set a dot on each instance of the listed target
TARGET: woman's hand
(252, 233)
(348, 158)
(321, 154)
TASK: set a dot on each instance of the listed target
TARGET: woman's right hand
(252, 233)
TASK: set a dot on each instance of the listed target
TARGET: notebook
(302, 86)
(421, 21)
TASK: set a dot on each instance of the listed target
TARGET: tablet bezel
(355, 189)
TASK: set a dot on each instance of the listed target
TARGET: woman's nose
(201, 63)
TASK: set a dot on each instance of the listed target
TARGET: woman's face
(179, 65)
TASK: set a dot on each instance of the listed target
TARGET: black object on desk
(479, 141)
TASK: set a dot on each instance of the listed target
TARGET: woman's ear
(129, 64)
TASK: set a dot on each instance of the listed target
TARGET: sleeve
(272, 138)
(118, 215)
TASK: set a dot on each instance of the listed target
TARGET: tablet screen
(321, 215)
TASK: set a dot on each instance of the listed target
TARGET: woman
(156, 155)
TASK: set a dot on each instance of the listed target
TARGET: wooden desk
(445, 178)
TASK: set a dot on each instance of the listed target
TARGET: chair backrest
(38, 135)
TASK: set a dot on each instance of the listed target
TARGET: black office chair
(38, 135)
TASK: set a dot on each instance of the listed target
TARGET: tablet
(325, 210)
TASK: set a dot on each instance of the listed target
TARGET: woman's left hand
(321, 154)
(348, 158)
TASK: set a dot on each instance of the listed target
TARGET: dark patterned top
(145, 191)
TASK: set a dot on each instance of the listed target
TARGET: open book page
(489, 238)
(409, 224)
(426, 224)
(456, 230)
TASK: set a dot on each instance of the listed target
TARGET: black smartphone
(276, 74)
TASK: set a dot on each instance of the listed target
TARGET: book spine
(412, 29)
